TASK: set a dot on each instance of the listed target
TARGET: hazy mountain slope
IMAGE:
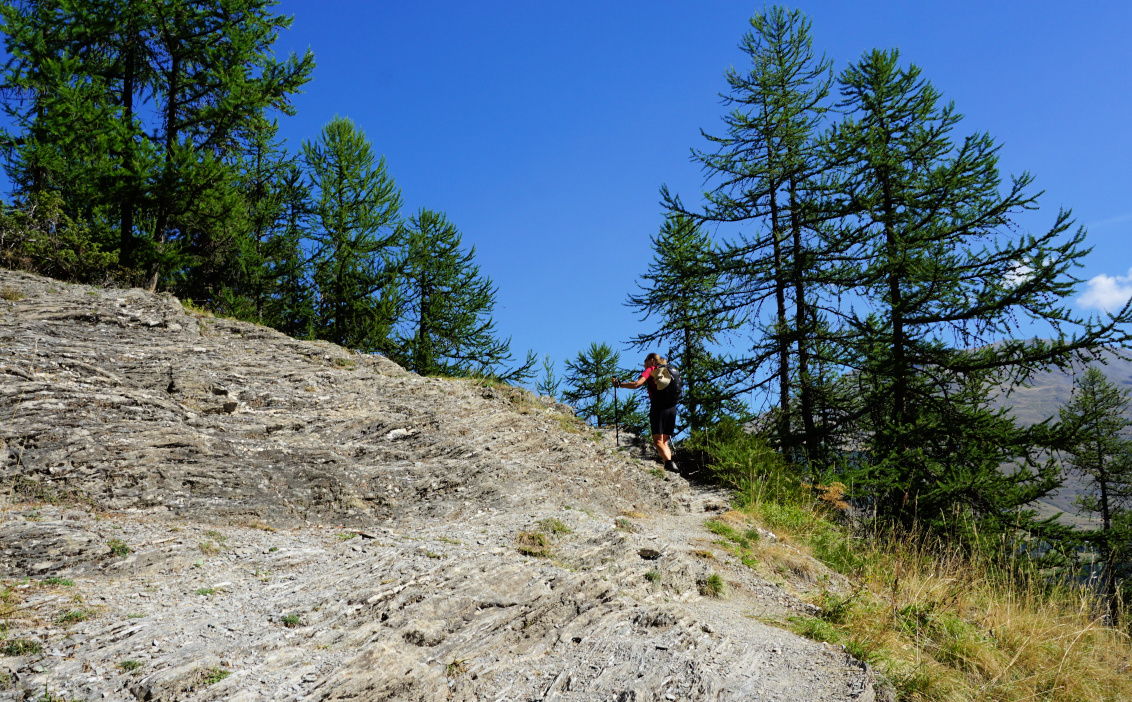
(1041, 399)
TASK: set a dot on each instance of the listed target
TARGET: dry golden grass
(938, 623)
(952, 627)
(942, 625)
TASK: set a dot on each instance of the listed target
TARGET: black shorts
(662, 420)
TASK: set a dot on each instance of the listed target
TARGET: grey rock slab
(305, 522)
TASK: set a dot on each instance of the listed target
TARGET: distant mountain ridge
(1045, 394)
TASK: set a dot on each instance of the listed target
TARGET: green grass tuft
(214, 675)
(57, 582)
(75, 616)
(554, 527)
(712, 586)
(20, 647)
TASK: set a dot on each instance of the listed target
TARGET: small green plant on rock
(214, 675)
(57, 582)
(533, 543)
(118, 548)
(653, 576)
(11, 294)
(623, 524)
(712, 586)
(206, 591)
(456, 668)
(130, 665)
(555, 527)
(75, 616)
(291, 620)
(21, 647)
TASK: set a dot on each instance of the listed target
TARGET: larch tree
(160, 180)
(764, 170)
(447, 305)
(942, 283)
(353, 214)
(1096, 425)
(589, 389)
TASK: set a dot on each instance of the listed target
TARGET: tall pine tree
(161, 181)
(765, 170)
(447, 324)
(942, 284)
(352, 228)
(1096, 426)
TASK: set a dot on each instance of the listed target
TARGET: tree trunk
(800, 328)
(126, 234)
(164, 217)
(781, 338)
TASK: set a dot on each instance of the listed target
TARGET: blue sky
(544, 130)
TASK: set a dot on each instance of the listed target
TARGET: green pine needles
(867, 275)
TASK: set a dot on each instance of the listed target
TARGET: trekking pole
(616, 418)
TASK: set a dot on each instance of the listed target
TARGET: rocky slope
(203, 509)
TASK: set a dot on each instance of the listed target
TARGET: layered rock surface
(199, 509)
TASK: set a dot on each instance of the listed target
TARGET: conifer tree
(679, 293)
(66, 138)
(352, 230)
(934, 258)
(589, 391)
(765, 169)
(549, 383)
(258, 278)
(1096, 425)
(447, 327)
(161, 181)
(215, 77)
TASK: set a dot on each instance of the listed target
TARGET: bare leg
(662, 447)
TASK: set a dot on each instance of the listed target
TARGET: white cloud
(1018, 274)
(1107, 293)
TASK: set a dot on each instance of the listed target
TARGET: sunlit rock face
(197, 508)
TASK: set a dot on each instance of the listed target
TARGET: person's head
(653, 359)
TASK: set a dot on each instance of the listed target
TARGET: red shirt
(648, 385)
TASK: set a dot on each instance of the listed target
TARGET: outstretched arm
(633, 384)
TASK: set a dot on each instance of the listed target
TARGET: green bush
(38, 236)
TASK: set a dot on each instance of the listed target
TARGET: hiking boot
(671, 465)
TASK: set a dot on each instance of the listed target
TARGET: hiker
(662, 403)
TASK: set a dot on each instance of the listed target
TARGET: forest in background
(854, 256)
